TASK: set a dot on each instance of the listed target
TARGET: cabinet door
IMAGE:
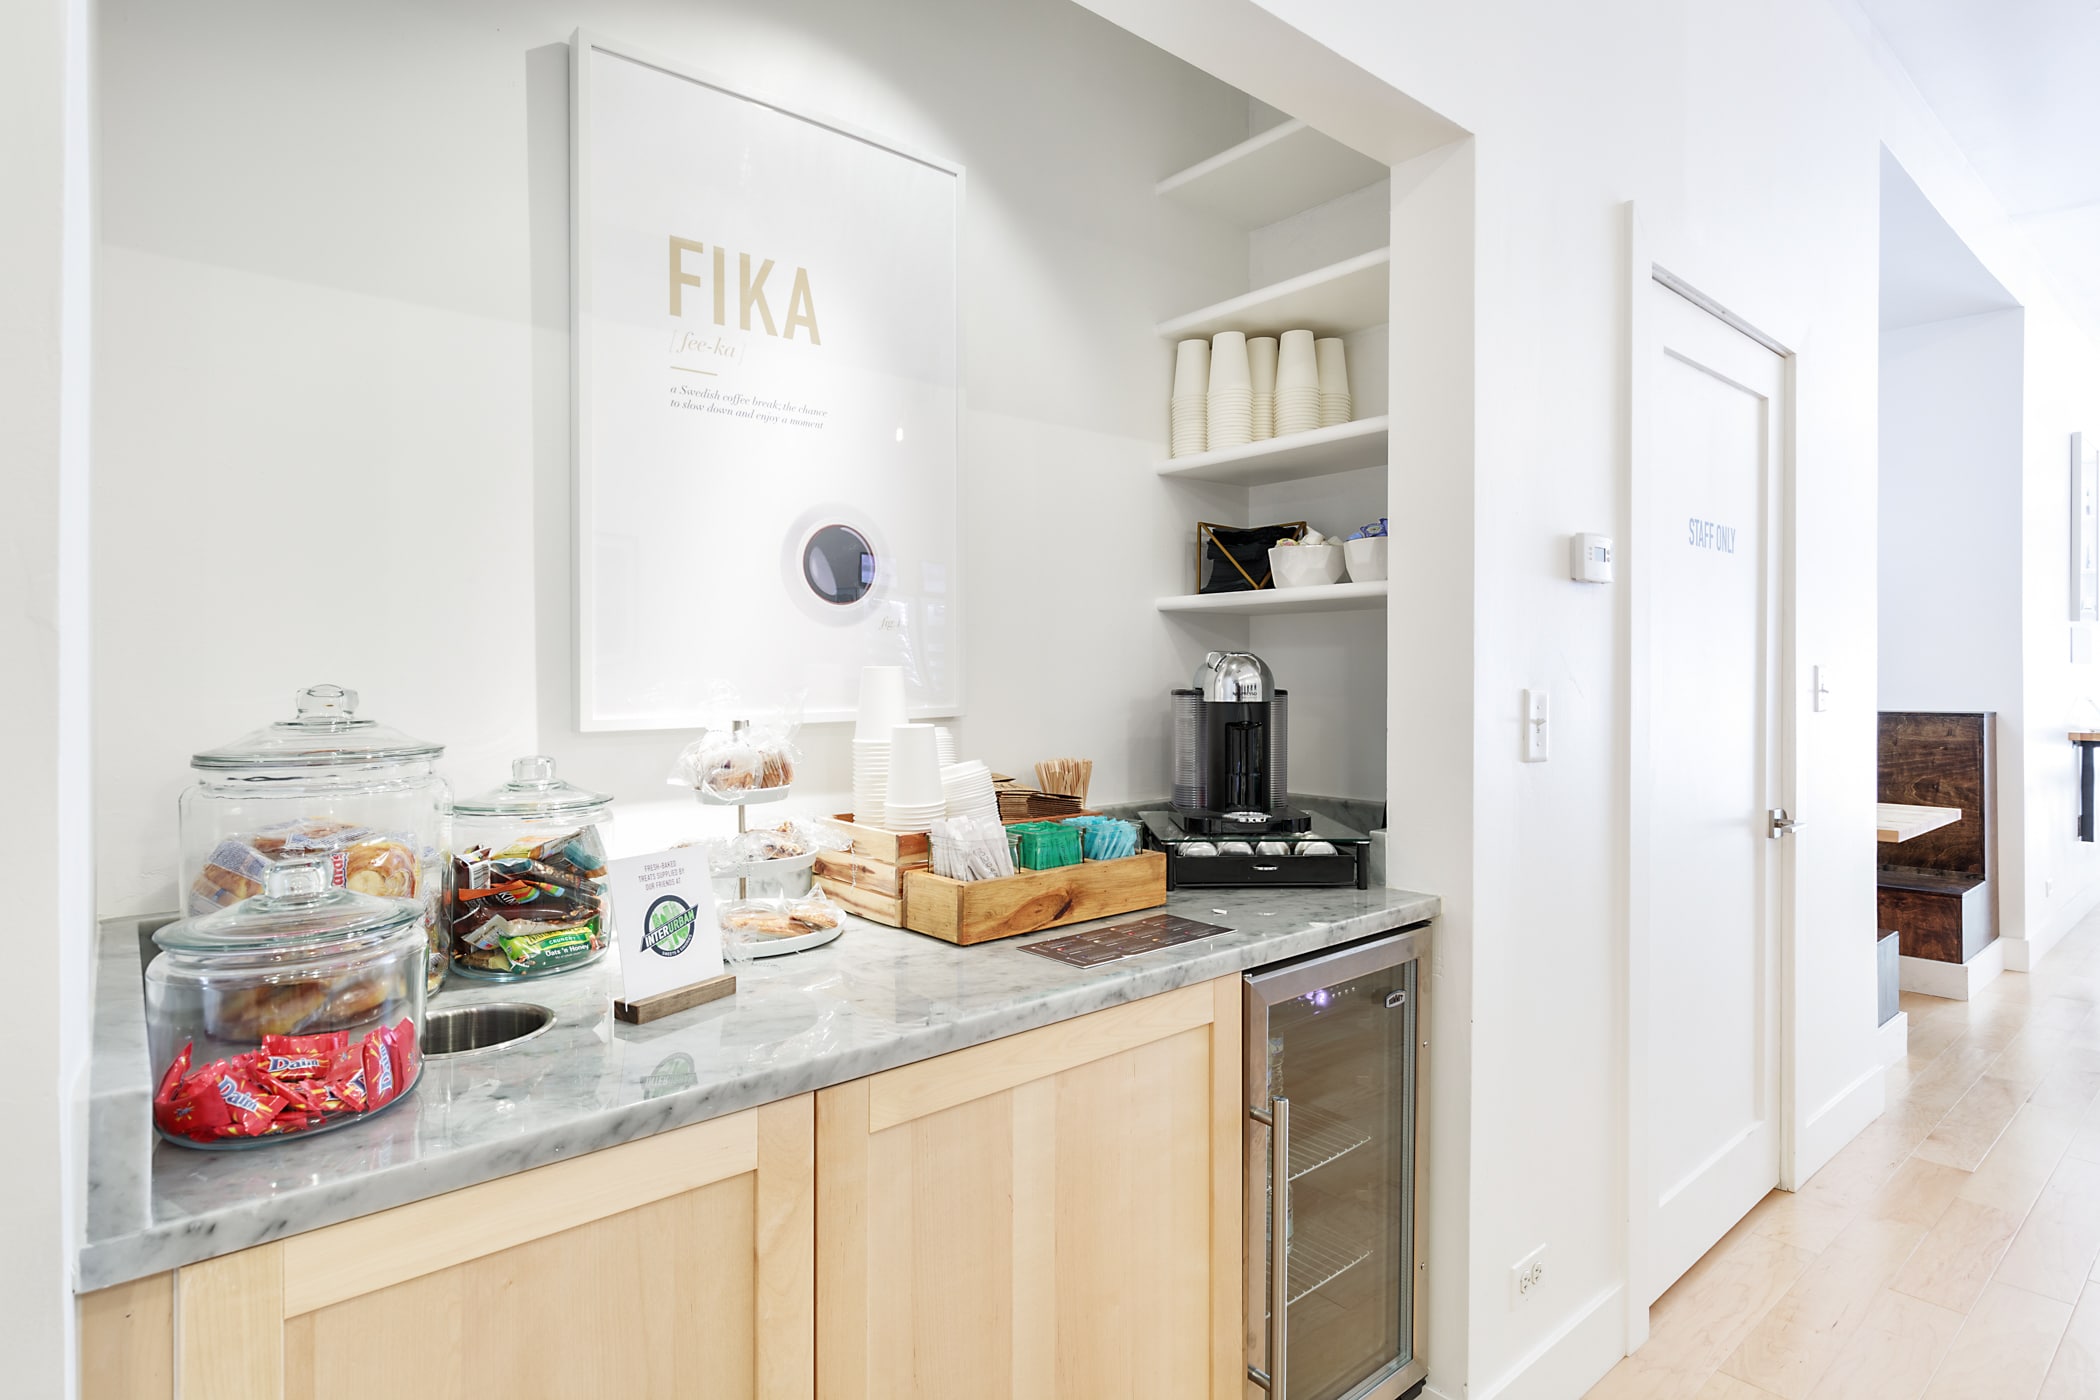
(680, 1265)
(1054, 1214)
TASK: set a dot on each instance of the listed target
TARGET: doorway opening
(1949, 688)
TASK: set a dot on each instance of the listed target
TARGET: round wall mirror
(838, 564)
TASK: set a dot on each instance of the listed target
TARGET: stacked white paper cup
(968, 789)
(882, 709)
(1335, 404)
(1189, 412)
(916, 798)
(1261, 367)
(1297, 384)
(1231, 392)
(944, 744)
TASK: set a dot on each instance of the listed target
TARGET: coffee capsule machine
(1231, 823)
(1232, 750)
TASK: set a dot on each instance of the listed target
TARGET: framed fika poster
(766, 412)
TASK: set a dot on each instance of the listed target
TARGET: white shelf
(1284, 171)
(1352, 295)
(1326, 597)
(1347, 447)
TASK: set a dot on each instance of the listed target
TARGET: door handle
(1781, 823)
(1275, 1380)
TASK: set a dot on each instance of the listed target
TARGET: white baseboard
(2021, 954)
(1841, 1118)
(1893, 1039)
(1571, 1359)
(1954, 981)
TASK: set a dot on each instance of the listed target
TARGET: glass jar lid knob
(299, 881)
(325, 703)
(536, 771)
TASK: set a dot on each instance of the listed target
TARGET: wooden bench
(1935, 888)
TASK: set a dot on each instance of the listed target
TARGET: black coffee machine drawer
(1351, 865)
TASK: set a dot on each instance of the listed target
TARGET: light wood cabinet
(1053, 1214)
(680, 1265)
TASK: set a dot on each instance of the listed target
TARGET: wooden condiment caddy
(885, 877)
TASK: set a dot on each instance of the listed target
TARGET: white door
(1712, 565)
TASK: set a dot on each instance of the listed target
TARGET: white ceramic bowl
(1304, 565)
(1366, 559)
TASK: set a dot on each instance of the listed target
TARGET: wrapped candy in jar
(527, 896)
(362, 796)
(295, 1011)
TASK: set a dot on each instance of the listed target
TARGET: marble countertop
(874, 999)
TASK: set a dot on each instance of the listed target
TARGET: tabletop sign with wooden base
(669, 1003)
(670, 942)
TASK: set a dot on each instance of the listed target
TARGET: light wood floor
(1949, 1251)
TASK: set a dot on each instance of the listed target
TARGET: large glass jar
(325, 783)
(527, 895)
(295, 1011)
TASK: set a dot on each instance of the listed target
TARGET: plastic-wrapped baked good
(781, 919)
(359, 859)
(733, 763)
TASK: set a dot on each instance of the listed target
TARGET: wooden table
(1894, 821)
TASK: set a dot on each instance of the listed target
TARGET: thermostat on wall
(1589, 558)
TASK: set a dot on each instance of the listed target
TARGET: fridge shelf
(1320, 1254)
(1320, 1136)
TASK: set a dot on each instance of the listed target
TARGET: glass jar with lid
(298, 1010)
(528, 896)
(327, 783)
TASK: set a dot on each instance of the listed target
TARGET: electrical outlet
(1527, 1276)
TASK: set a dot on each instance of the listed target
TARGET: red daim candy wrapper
(381, 1083)
(401, 1039)
(194, 1108)
(292, 1057)
(250, 1098)
(172, 1080)
(350, 1089)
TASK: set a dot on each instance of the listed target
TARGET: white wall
(2062, 874)
(1748, 138)
(334, 364)
(1950, 515)
(43, 626)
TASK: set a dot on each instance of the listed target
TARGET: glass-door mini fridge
(1334, 1050)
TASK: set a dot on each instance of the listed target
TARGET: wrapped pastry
(732, 763)
(358, 858)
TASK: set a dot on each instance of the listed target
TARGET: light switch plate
(1818, 689)
(1536, 732)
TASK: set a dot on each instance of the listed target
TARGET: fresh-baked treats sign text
(751, 289)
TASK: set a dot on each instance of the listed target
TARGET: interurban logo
(667, 928)
(751, 290)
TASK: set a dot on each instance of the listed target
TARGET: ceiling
(2017, 85)
(1927, 272)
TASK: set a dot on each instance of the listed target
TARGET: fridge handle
(1278, 1120)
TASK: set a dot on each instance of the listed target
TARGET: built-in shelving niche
(1318, 220)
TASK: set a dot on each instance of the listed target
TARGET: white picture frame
(2085, 533)
(757, 513)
